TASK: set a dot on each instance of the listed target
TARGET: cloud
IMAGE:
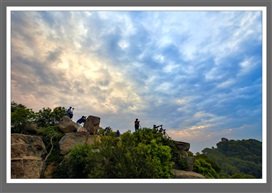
(199, 73)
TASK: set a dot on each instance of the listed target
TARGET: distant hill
(237, 158)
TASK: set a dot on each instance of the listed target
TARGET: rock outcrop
(69, 140)
(27, 156)
(183, 148)
(66, 125)
(224, 139)
(92, 124)
(187, 174)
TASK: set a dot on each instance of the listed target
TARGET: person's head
(136, 119)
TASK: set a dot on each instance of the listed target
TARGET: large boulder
(69, 140)
(187, 174)
(66, 125)
(27, 156)
(183, 148)
(182, 145)
(92, 124)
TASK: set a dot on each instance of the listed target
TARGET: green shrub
(204, 168)
(51, 133)
(20, 118)
(242, 176)
(115, 158)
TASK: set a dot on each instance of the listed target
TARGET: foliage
(242, 176)
(43, 117)
(100, 131)
(180, 162)
(57, 114)
(46, 134)
(201, 166)
(213, 164)
(205, 166)
(46, 116)
(237, 158)
(20, 117)
(146, 153)
(79, 159)
(130, 157)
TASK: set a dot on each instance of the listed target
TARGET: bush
(204, 168)
(46, 134)
(242, 176)
(20, 118)
(115, 158)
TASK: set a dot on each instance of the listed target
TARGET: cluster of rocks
(91, 125)
(28, 152)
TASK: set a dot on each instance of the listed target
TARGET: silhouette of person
(117, 133)
(136, 124)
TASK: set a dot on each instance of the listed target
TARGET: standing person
(68, 112)
(117, 133)
(72, 113)
(136, 124)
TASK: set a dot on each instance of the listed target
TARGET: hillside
(237, 158)
(53, 142)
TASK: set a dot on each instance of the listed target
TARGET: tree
(58, 113)
(243, 157)
(213, 164)
(20, 117)
(201, 166)
(46, 116)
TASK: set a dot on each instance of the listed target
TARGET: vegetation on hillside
(146, 153)
(237, 158)
(124, 157)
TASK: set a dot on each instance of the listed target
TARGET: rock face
(69, 140)
(187, 174)
(92, 124)
(224, 139)
(183, 147)
(27, 156)
(66, 125)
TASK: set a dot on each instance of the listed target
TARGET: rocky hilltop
(28, 152)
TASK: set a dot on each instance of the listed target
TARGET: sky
(199, 73)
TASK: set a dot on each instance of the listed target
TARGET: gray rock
(27, 156)
(187, 174)
(92, 124)
(69, 140)
(183, 145)
(66, 125)
(183, 148)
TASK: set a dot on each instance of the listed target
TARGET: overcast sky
(199, 73)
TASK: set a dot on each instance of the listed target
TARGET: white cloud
(156, 66)
(226, 83)
(170, 68)
(247, 65)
